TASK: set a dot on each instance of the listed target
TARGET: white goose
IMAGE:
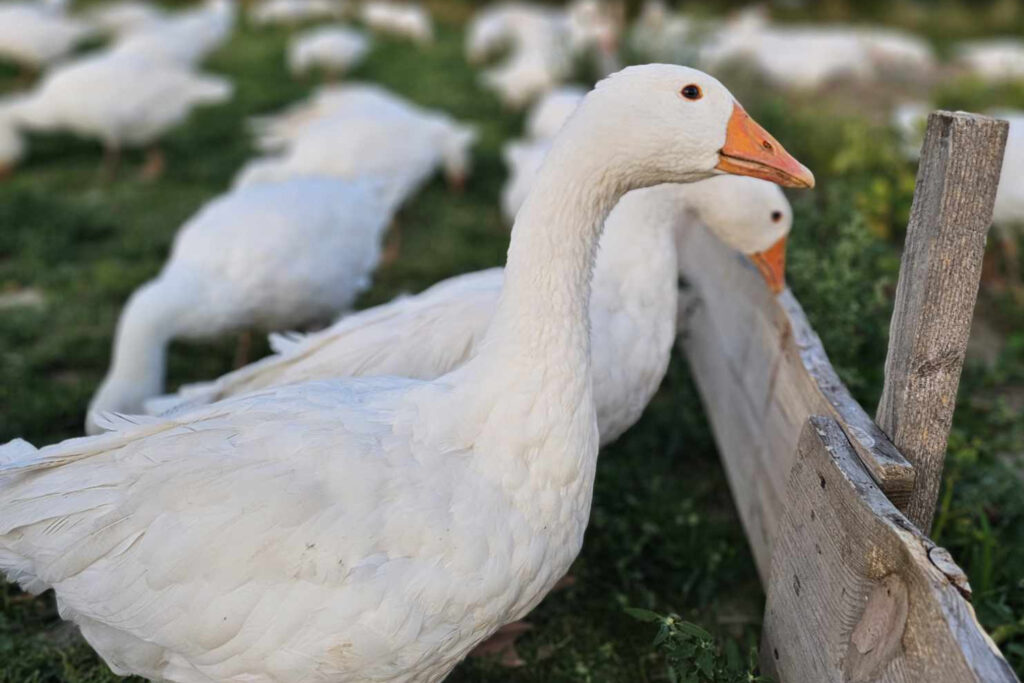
(336, 49)
(288, 253)
(403, 150)
(632, 308)
(290, 12)
(550, 112)
(185, 39)
(403, 19)
(120, 100)
(120, 18)
(34, 35)
(523, 158)
(372, 529)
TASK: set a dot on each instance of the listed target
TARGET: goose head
(657, 123)
(751, 216)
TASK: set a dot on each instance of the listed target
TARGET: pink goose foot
(502, 645)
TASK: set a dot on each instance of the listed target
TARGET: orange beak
(750, 150)
(772, 264)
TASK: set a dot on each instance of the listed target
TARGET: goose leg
(6, 171)
(243, 349)
(154, 165)
(502, 645)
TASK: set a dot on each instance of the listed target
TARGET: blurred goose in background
(632, 307)
(12, 144)
(548, 114)
(404, 152)
(994, 60)
(661, 35)
(403, 19)
(335, 49)
(121, 18)
(277, 132)
(523, 158)
(120, 100)
(267, 256)
(910, 120)
(810, 56)
(543, 43)
(372, 528)
(290, 12)
(185, 38)
(35, 35)
(355, 130)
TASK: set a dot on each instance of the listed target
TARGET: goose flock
(410, 479)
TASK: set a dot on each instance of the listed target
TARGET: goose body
(286, 254)
(404, 150)
(125, 16)
(36, 36)
(287, 12)
(523, 158)
(185, 39)
(404, 19)
(334, 48)
(378, 528)
(994, 60)
(550, 112)
(120, 100)
(632, 307)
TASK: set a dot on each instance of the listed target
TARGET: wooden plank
(857, 593)
(761, 372)
(938, 285)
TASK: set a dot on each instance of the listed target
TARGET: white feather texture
(117, 99)
(273, 256)
(332, 48)
(632, 307)
(366, 529)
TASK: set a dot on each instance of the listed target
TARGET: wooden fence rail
(856, 591)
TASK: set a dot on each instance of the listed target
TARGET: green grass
(664, 534)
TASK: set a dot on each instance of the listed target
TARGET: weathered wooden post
(938, 285)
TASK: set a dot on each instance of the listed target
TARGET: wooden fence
(836, 506)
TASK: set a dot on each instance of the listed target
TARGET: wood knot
(944, 562)
(877, 638)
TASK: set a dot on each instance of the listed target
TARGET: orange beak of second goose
(750, 150)
(772, 264)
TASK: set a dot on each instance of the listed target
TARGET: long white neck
(542, 315)
(138, 366)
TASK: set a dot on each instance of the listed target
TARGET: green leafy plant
(692, 655)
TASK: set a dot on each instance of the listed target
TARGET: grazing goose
(290, 253)
(290, 12)
(120, 18)
(120, 100)
(1001, 59)
(35, 36)
(632, 308)
(184, 39)
(403, 150)
(335, 49)
(402, 19)
(372, 528)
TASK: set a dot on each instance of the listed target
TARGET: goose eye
(692, 92)
(776, 216)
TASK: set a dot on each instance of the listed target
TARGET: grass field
(664, 534)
